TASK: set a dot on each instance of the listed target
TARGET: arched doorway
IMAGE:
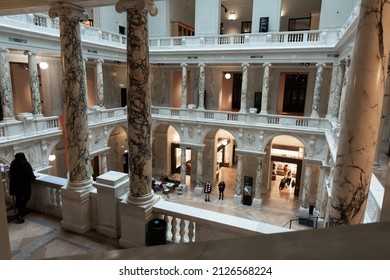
(286, 154)
(117, 157)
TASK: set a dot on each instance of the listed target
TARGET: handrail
(305, 219)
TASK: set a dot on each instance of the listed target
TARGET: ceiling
(11, 7)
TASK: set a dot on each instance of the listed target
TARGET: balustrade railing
(187, 224)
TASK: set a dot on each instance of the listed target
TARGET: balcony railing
(42, 23)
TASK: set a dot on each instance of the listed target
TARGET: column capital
(124, 5)
(323, 64)
(99, 60)
(245, 64)
(202, 64)
(267, 64)
(2, 50)
(183, 64)
(28, 52)
(67, 10)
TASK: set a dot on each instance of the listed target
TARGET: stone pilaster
(136, 210)
(100, 83)
(317, 89)
(265, 93)
(201, 86)
(244, 87)
(361, 114)
(7, 102)
(34, 83)
(184, 85)
(76, 194)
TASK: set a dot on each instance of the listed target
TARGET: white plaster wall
(266, 8)
(159, 25)
(206, 21)
(334, 13)
(110, 19)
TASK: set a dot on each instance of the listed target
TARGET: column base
(257, 203)
(76, 209)
(237, 199)
(134, 219)
(198, 191)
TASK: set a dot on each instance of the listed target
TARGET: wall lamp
(228, 76)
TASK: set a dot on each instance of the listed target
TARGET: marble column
(100, 83)
(265, 93)
(138, 100)
(259, 175)
(183, 166)
(201, 86)
(344, 88)
(362, 114)
(184, 85)
(103, 163)
(336, 92)
(333, 89)
(136, 210)
(317, 90)
(244, 87)
(306, 186)
(34, 83)
(85, 78)
(239, 178)
(199, 172)
(75, 195)
(7, 102)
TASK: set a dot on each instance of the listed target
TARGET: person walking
(21, 176)
(207, 191)
(221, 188)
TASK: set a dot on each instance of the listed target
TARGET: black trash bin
(157, 229)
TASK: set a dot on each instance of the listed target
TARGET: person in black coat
(21, 176)
(221, 188)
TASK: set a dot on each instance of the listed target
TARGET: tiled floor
(41, 236)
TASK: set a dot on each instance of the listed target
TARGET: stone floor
(42, 237)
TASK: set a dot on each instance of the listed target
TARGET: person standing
(221, 188)
(207, 191)
(21, 176)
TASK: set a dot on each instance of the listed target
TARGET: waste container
(157, 229)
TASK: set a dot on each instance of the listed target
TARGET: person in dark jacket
(21, 176)
(221, 188)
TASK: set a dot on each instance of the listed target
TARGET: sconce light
(43, 65)
(232, 15)
(52, 157)
(228, 76)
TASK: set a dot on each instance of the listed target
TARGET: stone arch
(163, 135)
(117, 158)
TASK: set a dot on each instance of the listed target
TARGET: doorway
(294, 93)
(295, 165)
(236, 92)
